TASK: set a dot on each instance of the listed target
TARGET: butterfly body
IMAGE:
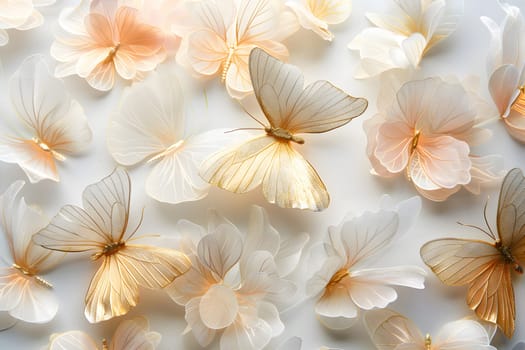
(428, 342)
(283, 135)
(31, 272)
(110, 249)
(508, 258)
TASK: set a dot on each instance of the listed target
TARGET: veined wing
(103, 220)
(72, 340)
(481, 267)
(320, 107)
(389, 330)
(134, 334)
(256, 21)
(288, 180)
(511, 213)
(114, 289)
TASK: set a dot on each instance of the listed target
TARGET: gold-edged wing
(511, 214)
(288, 180)
(318, 108)
(481, 267)
(114, 289)
(103, 220)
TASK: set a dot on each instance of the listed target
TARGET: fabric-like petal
(218, 307)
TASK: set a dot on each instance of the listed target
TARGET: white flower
(506, 68)
(234, 284)
(316, 15)
(20, 15)
(344, 285)
(403, 36)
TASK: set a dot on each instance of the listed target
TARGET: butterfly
(53, 123)
(390, 330)
(131, 334)
(102, 228)
(150, 126)
(287, 179)
(23, 293)
(486, 267)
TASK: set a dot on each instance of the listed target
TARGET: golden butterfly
(486, 267)
(101, 227)
(287, 179)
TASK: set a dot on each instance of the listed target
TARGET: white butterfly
(344, 283)
(150, 126)
(53, 124)
(392, 331)
(269, 159)
(131, 334)
(23, 293)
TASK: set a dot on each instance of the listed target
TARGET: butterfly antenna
(238, 129)
(492, 235)
(251, 115)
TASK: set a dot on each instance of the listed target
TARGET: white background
(338, 156)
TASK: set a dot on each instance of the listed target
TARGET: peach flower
(506, 66)
(20, 15)
(429, 140)
(103, 38)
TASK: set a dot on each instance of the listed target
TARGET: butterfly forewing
(318, 108)
(390, 331)
(511, 214)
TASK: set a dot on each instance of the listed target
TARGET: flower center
(228, 62)
(338, 276)
(105, 344)
(28, 272)
(428, 342)
(45, 147)
(112, 52)
(415, 141)
(282, 134)
(519, 103)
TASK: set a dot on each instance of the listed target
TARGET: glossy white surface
(338, 156)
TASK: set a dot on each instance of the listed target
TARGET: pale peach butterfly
(101, 227)
(23, 293)
(224, 34)
(390, 331)
(133, 334)
(150, 125)
(287, 179)
(316, 15)
(486, 267)
(51, 125)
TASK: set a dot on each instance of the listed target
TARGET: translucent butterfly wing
(103, 220)
(114, 289)
(256, 21)
(318, 108)
(481, 266)
(463, 334)
(134, 334)
(392, 331)
(72, 340)
(511, 213)
(150, 119)
(288, 180)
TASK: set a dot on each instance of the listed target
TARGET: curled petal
(218, 307)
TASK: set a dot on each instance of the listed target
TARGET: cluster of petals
(346, 282)
(221, 34)
(102, 38)
(506, 69)
(20, 15)
(404, 35)
(236, 284)
(429, 141)
(316, 15)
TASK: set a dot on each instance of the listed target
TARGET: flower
(223, 34)
(234, 284)
(506, 68)
(20, 15)
(103, 38)
(316, 15)
(343, 285)
(430, 141)
(403, 36)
